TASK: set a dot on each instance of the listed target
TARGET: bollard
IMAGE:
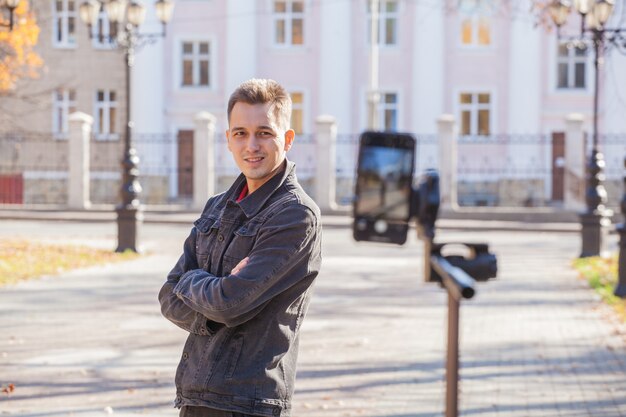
(620, 288)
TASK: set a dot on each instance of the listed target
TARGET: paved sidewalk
(535, 342)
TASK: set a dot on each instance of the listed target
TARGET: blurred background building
(508, 83)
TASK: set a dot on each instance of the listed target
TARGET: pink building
(484, 62)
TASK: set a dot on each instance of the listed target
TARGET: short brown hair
(261, 91)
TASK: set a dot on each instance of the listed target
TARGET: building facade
(484, 62)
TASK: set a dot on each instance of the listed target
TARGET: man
(243, 283)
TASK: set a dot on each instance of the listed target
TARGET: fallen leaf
(8, 389)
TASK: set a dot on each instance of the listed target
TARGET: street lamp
(130, 16)
(10, 6)
(594, 15)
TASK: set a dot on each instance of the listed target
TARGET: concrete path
(535, 342)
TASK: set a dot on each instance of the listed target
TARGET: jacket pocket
(241, 245)
(207, 229)
(234, 351)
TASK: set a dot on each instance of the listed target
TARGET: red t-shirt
(244, 192)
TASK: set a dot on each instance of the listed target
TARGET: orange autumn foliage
(17, 56)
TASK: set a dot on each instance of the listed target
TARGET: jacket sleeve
(280, 257)
(172, 307)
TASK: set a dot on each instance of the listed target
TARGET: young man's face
(257, 142)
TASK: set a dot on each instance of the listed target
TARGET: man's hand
(239, 266)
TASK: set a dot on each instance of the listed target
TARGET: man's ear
(290, 135)
(227, 133)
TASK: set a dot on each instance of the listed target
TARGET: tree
(18, 58)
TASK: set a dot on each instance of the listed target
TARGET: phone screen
(383, 187)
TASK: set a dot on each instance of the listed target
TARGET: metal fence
(499, 170)
(33, 168)
(505, 170)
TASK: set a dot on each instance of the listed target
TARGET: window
(63, 104)
(105, 115)
(476, 31)
(196, 64)
(387, 111)
(297, 112)
(104, 32)
(64, 27)
(571, 66)
(475, 111)
(475, 22)
(387, 22)
(289, 22)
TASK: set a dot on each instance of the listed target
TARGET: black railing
(498, 170)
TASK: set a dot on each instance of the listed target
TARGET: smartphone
(382, 203)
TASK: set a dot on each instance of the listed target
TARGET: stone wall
(484, 193)
(615, 192)
(521, 193)
(104, 191)
(45, 191)
(155, 190)
(345, 191)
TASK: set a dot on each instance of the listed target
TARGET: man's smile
(254, 159)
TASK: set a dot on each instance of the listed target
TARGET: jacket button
(220, 238)
(276, 411)
(185, 355)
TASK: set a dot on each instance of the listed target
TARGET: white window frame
(475, 24)
(383, 15)
(474, 108)
(475, 10)
(103, 25)
(288, 16)
(571, 60)
(383, 107)
(106, 106)
(62, 107)
(551, 80)
(196, 58)
(68, 40)
(299, 106)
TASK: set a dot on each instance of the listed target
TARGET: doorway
(185, 163)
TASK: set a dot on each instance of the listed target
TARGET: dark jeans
(188, 411)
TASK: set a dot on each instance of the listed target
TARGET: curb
(328, 221)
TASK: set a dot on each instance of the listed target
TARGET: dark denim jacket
(243, 343)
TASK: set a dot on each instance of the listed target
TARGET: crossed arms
(194, 299)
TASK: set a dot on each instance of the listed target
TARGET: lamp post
(594, 15)
(620, 288)
(130, 16)
(9, 6)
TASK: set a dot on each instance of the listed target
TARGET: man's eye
(238, 134)
(266, 134)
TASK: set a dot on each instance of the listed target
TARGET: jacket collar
(254, 202)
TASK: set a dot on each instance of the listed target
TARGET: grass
(601, 274)
(25, 259)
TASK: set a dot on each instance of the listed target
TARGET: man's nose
(253, 143)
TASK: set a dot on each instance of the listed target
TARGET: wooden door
(558, 166)
(185, 163)
(11, 189)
